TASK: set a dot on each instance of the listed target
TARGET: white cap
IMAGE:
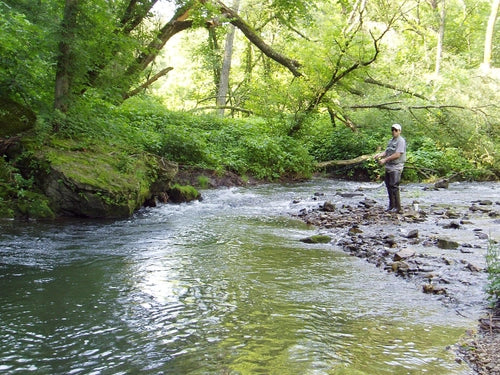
(396, 126)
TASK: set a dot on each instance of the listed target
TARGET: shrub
(493, 268)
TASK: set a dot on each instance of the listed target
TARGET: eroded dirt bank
(439, 243)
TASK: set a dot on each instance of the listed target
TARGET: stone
(432, 289)
(473, 268)
(328, 207)
(412, 233)
(404, 254)
(452, 225)
(349, 195)
(181, 194)
(355, 230)
(318, 238)
(83, 184)
(446, 244)
(368, 203)
(442, 184)
(485, 202)
(400, 267)
(390, 241)
(452, 214)
(482, 235)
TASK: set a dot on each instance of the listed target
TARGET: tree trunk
(65, 57)
(226, 65)
(213, 44)
(488, 40)
(439, 49)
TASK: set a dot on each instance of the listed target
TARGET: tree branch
(148, 83)
(337, 77)
(357, 160)
(177, 23)
(235, 19)
(232, 108)
(134, 14)
(389, 86)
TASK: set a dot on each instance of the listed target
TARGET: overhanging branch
(292, 65)
(389, 86)
(148, 83)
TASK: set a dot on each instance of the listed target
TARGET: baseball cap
(396, 126)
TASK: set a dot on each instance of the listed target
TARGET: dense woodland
(270, 89)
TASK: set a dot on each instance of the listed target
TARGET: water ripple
(214, 287)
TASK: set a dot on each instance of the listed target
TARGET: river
(221, 286)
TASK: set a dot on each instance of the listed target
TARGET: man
(393, 158)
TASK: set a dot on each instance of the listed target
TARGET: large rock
(101, 185)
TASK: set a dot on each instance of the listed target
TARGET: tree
(488, 40)
(110, 47)
(130, 76)
(223, 86)
(440, 34)
(65, 59)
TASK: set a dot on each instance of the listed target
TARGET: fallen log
(357, 160)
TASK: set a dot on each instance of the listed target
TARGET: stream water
(221, 286)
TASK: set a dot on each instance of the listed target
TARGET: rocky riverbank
(440, 247)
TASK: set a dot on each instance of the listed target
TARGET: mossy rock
(444, 243)
(96, 181)
(14, 118)
(178, 194)
(318, 238)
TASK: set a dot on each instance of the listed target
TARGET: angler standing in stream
(393, 158)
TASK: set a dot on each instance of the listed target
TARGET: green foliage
(252, 146)
(269, 157)
(34, 205)
(17, 197)
(203, 181)
(326, 142)
(428, 158)
(493, 268)
(25, 67)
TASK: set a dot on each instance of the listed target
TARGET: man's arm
(389, 158)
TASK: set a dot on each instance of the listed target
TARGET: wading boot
(397, 203)
(391, 202)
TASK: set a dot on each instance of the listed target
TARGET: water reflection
(217, 287)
